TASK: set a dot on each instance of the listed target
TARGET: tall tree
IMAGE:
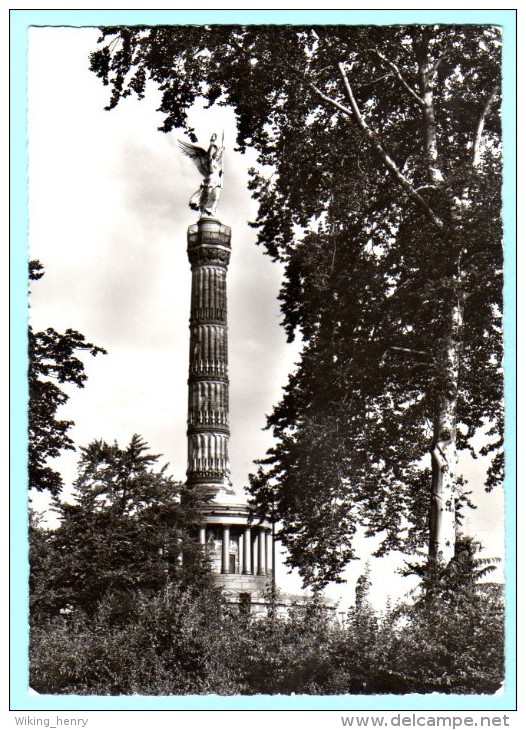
(382, 145)
(126, 530)
(52, 361)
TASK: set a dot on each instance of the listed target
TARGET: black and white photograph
(266, 448)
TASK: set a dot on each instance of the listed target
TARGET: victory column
(241, 554)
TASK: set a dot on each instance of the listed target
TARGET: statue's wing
(197, 154)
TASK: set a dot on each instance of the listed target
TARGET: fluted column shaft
(247, 543)
(225, 553)
(270, 550)
(208, 428)
(262, 568)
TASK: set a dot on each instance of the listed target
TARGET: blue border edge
(20, 20)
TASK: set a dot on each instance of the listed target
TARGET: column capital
(209, 255)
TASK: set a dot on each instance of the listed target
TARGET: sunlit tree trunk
(444, 457)
(426, 77)
(444, 446)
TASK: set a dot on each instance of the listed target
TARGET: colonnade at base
(238, 549)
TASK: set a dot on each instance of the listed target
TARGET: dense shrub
(184, 641)
(171, 642)
(115, 611)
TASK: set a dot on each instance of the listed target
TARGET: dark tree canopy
(52, 362)
(379, 188)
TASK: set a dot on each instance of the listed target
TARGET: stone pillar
(254, 552)
(208, 432)
(225, 555)
(270, 550)
(261, 552)
(247, 544)
(240, 553)
(202, 535)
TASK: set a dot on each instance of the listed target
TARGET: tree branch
(434, 68)
(348, 112)
(389, 162)
(354, 112)
(447, 50)
(399, 76)
(407, 350)
(427, 187)
(476, 157)
(375, 81)
(440, 459)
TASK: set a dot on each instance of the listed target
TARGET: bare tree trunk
(444, 448)
(444, 456)
(426, 78)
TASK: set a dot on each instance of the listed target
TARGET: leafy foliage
(127, 530)
(166, 645)
(452, 638)
(173, 633)
(52, 362)
(379, 188)
(188, 641)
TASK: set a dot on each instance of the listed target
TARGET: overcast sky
(108, 213)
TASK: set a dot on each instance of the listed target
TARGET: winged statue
(210, 164)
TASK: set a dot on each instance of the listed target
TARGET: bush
(185, 639)
(168, 643)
